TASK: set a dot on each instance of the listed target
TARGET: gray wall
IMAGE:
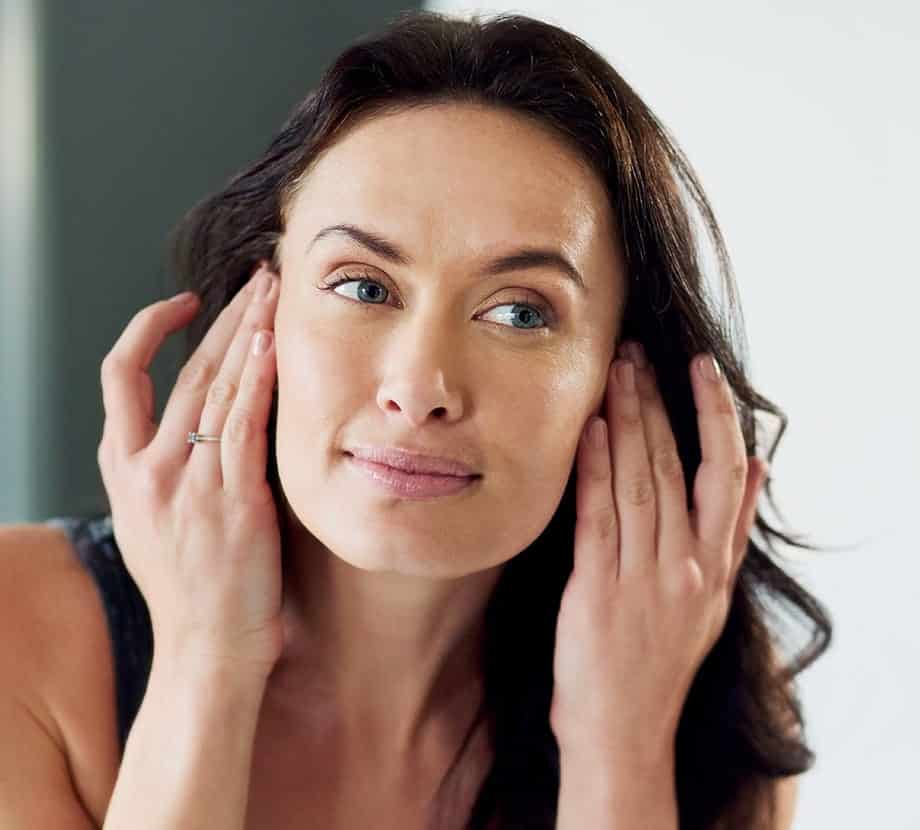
(119, 116)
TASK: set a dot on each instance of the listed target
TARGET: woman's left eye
(527, 309)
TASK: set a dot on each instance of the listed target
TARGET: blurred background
(802, 122)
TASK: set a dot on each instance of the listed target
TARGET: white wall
(802, 121)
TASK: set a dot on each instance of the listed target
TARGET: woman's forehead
(465, 178)
(450, 153)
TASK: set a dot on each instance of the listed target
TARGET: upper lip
(412, 461)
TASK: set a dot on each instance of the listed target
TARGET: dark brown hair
(742, 725)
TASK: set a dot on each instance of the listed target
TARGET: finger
(596, 536)
(183, 409)
(127, 395)
(204, 464)
(757, 474)
(674, 537)
(244, 444)
(720, 480)
(633, 487)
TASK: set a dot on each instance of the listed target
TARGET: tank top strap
(126, 611)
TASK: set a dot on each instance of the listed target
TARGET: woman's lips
(411, 485)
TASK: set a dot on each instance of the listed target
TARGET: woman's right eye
(371, 300)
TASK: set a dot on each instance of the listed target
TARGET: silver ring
(196, 437)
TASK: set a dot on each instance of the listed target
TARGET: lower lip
(411, 485)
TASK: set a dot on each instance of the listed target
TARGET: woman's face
(429, 350)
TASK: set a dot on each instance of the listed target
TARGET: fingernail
(710, 368)
(184, 297)
(597, 433)
(261, 342)
(626, 375)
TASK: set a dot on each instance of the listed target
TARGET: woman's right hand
(196, 523)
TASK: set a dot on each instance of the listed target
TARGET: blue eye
(526, 310)
(361, 280)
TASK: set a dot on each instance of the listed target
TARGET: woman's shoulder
(45, 583)
(42, 582)
(56, 650)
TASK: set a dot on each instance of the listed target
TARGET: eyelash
(544, 310)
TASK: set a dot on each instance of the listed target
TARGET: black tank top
(125, 609)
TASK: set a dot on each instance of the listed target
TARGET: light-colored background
(801, 120)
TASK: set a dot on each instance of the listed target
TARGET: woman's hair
(742, 724)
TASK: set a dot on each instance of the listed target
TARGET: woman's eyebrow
(528, 257)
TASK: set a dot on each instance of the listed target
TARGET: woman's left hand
(651, 586)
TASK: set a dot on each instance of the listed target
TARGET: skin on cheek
(322, 342)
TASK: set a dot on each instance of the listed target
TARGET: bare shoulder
(57, 653)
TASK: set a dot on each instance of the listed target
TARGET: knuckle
(599, 471)
(196, 375)
(604, 525)
(737, 472)
(638, 491)
(197, 489)
(102, 451)
(151, 481)
(222, 393)
(721, 574)
(251, 324)
(725, 405)
(687, 580)
(143, 316)
(110, 368)
(629, 421)
(240, 427)
(667, 462)
(146, 318)
(153, 311)
(255, 494)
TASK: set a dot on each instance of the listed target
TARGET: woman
(464, 231)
